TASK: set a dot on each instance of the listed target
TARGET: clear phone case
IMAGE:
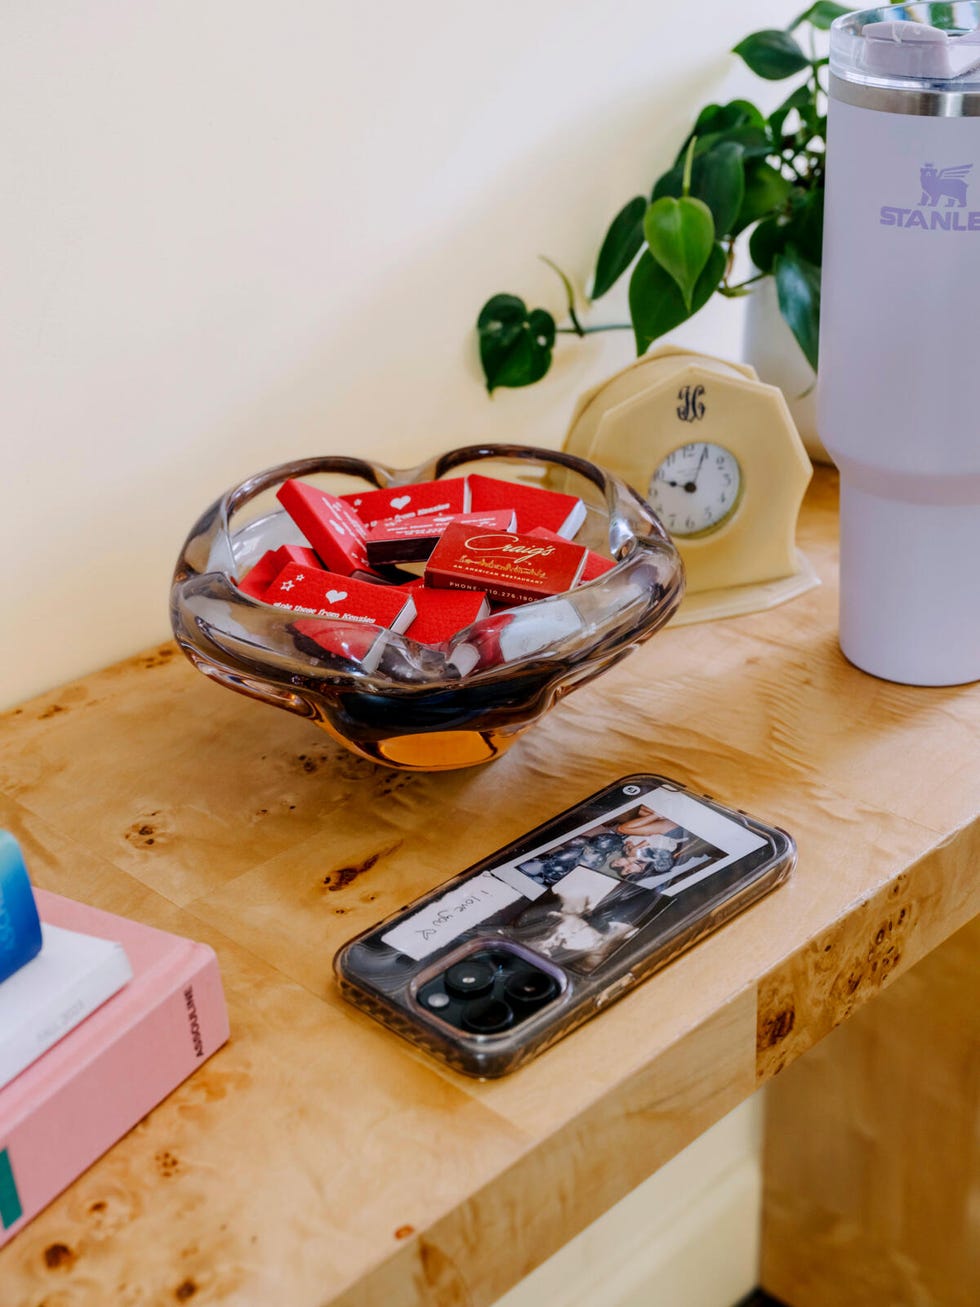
(506, 958)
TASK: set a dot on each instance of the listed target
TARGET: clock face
(696, 488)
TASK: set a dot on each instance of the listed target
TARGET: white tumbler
(899, 390)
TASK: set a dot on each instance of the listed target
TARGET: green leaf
(656, 303)
(681, 236)
(769, 239)
(515, 345)
(717, 178)
(820, 15)
(798, 290)
(806, 224)
(716, 121)
(802, 227)
(772, 54)
(754, 140)
(736, 113)
(943, 17)
(622, 244)
(801, 100)
(766, 192)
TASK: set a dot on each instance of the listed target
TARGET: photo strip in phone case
(512, 954)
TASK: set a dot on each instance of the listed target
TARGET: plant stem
(749, 281)
(577, 327)
(730, 260)
(688, 165)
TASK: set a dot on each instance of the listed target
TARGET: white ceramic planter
(768, 345)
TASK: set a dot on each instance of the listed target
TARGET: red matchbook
(325, 594)
(77, 1099)
(595, 564)
(444, 613)
(362, 645)
(511, 568)
(348, 603)
(257, 579)
(329, 524)
(561, 513)
(409, 541)
(403, 503)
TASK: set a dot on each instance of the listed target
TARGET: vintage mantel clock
(717, 455)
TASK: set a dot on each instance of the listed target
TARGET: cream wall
(235, 231)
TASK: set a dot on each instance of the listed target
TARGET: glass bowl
(423, 707)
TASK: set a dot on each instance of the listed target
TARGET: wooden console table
(316, 1159)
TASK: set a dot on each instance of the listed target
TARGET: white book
(71, 976)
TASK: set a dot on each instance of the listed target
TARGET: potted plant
(739, 174)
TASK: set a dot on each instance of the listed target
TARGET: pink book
(72, 1104)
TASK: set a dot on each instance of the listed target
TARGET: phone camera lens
(531, 987)
(470, 978)
(488, 1017)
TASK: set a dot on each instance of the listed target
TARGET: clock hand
(693, 485)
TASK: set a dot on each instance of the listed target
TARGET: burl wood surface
(872, 1158)
(319, 1160)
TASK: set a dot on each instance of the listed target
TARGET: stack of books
(100, 1022)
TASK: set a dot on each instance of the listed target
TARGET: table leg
(872, 1149)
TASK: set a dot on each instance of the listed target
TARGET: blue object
(20, 926)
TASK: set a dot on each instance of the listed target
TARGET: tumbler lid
(927, 47)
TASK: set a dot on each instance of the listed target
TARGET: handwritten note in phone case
(451, 915)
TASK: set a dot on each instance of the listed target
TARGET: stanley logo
(937, 184)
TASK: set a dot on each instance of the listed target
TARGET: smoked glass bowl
(423, 707)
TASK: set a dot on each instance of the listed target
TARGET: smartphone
(515, 952)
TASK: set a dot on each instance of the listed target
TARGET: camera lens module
(470, 978)
(531, 987)
(488, 991)
(488, 1017)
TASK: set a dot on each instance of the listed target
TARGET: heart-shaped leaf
(772, 54)
(717, 177)
(515, 345)
(681, 236)
(798, 291)
(622, 244)
(656, 303)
